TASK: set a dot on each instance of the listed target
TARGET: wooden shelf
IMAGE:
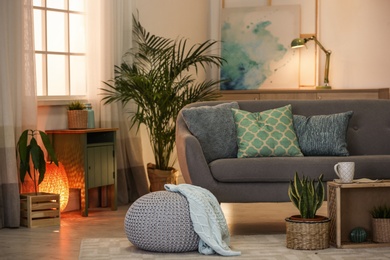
(305, 94)
(349, 207)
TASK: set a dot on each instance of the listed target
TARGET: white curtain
(17, 98)
(109, 26)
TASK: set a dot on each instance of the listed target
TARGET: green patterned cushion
(323, 134)
(267, 133)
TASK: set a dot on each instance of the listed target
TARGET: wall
(355, 30)
(173, 19)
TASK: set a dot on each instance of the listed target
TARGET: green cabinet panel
(101, 169)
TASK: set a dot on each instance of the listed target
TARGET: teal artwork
(256, 46)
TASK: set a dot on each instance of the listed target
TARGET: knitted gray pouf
(160, 221)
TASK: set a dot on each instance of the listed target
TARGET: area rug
(251, 247)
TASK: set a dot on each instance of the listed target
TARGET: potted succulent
(380, 224)
(307, 230)
(161, 80)
(77, 115)
(38, 208)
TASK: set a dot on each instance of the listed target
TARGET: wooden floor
(64, 242)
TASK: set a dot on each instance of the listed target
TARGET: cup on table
(345, 171)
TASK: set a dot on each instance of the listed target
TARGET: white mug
(345, 171)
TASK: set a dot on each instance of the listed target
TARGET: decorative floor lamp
(300, 42)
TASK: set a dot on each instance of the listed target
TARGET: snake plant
(307, 195)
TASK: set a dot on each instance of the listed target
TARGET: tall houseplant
(31, 156)
(307, 230)
(159, 80)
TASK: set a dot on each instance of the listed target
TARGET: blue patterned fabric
(323, 134)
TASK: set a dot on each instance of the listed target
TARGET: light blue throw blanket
(207, 218)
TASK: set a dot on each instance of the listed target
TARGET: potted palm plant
(380, 224)
(307, 230)
(160, 83)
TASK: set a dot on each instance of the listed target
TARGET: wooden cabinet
(349, 207)
(88, 157)
(308, 94)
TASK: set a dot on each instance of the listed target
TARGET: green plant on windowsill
(31, 156)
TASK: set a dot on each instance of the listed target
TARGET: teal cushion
(214, 127)
(267, 133)
(323, 134)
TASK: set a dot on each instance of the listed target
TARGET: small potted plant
(380, 224)
(77, 115)
(307, 230)
(39, 208)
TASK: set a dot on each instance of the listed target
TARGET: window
(59, 32)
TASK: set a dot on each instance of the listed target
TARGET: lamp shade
(56, 181)
(298, 43)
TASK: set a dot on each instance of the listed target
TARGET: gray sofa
(265, 179)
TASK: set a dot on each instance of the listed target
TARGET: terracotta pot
(317, 218)
(158, 178)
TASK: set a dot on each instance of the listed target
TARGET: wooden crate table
(39, 210)
(349, 207)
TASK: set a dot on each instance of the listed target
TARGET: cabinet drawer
(100, 137)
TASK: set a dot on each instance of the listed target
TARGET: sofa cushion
(323, 134)
(282, 169)
(266, 133)
(214, 127)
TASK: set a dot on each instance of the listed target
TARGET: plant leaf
(49, 148)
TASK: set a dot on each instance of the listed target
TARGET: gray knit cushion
(160, 221)
(214, 127)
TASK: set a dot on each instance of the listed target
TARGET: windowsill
(59, 101)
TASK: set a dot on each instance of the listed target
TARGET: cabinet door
(101, 165)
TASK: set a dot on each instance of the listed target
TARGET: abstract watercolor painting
(256, 45)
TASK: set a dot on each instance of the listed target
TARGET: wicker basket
(77, 119)
(381, 230)
(308, 235)
(158, 178)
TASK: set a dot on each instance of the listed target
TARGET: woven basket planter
(158, 178)
(307, 234)
(381, 230)
(77, 119)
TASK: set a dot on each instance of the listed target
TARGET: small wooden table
(88, 156)
(349, 207)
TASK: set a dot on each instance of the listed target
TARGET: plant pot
(158, 178)
(307, 234)
(77, 119)
(381, 230)
(39, 210)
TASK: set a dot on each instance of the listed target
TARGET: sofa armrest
(193, 164)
